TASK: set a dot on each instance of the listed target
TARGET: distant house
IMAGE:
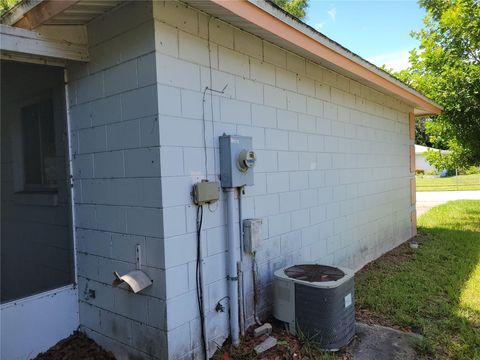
(111, 112)
(420, 160)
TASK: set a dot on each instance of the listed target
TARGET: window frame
(20, 184)
(32, 187)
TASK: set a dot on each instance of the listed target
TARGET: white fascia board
(15, 40)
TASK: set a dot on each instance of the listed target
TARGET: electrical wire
(199, 278)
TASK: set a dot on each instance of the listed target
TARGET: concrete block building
(111, 113)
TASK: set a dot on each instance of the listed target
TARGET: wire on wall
(199, 279)
(199, 275)
(211, 90)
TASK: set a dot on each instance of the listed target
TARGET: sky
(377, 30)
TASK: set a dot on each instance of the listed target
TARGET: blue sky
(379, 31)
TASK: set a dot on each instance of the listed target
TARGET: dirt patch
(392, 259)
(76, 347)
(288, 347)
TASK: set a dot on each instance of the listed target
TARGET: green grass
(434, 290)
(452, 183)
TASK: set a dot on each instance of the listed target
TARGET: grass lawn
(434, 290)
(452, 183)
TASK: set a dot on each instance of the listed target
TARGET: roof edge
(16, 13)
(278, 22)
(332, 44)
(268, 16)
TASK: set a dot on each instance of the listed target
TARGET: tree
(446, 68)
(295, 7)
(421, 135)
(6, 5)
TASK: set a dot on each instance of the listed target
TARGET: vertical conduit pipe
(241, 297)
(232, 267)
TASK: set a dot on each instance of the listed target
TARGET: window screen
(40, 171)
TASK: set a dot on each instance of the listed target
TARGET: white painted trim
(17, 40)
(32, 59)
(32, 325)
(36, 296)
(70, 174)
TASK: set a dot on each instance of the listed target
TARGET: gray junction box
(252, 235)
(236, 161)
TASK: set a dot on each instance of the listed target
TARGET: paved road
(428, 199)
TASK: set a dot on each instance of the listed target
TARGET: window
(39, 153)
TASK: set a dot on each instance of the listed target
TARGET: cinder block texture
(114, 106)
(332, 181)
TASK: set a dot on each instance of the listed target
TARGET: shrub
(419, 171)
(469, 171)
(432, 172)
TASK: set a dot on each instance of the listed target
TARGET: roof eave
(16, 13)
(271, 19)
(298, 35)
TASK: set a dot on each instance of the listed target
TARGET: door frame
(54, 314)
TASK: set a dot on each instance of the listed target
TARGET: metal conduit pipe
(232, 267)
(241, 295)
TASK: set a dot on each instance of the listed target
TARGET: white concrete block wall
(332, 180)
(113, 110)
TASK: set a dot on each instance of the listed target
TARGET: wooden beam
(413, 191)
(30, 43)
(18, 11)
(412, 158)
(43, 12)
(411, 118)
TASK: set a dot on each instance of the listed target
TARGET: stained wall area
(332, 183)
(117, 187)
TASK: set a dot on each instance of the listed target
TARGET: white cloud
(397, 60)
(319, 25)
(332, 13)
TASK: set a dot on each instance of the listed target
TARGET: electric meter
(246, 160)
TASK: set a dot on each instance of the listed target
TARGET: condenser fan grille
(314, 273)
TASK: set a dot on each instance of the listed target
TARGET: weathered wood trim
(411, 118)
(413, 191)
(16, 13)
(43, 12)
(412, 158)
(20, 41)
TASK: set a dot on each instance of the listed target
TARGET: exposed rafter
(43, 12)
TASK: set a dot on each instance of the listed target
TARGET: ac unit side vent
(322, 316)
(320, 305)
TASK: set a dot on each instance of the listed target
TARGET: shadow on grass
(434, 291)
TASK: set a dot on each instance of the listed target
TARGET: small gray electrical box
(237, 160)
(252, 234)
(206, 192)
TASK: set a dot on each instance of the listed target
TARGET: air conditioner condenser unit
(318, 301)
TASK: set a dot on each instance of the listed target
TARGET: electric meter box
(237, 160)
